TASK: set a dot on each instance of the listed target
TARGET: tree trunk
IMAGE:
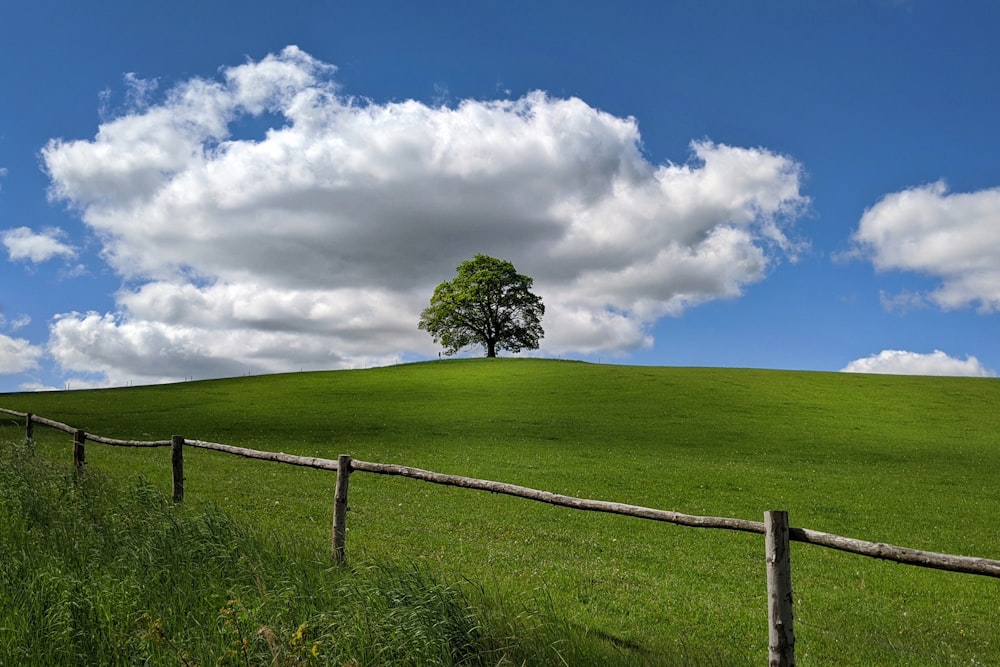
(491, 348)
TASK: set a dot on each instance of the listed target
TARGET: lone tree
(488, 303)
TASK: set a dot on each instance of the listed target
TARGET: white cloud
(18, 322)
(18, 355)
(139, 91)
(899, 362)
(24, 244)
(323, 238)
(902, 302)
(953, 237)
(39, 386)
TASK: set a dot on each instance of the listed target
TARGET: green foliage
(911, 461)
(488, 303)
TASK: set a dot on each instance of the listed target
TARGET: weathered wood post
(781, 636)
(340, 508)
(29, 427)
(177, 460)
(79, 455)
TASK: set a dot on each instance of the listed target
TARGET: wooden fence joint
(177, 462)
(79, 453)
(781, 634)
(340, 508)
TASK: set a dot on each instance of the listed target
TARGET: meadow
(911, 461)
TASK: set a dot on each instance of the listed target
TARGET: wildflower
(297, 637)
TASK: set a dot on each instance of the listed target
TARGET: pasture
(909, 461)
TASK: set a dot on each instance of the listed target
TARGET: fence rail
(778, 533)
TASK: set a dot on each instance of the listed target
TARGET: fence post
(177, 461)
(340, 508)
(29, 427)
(781, 636)
(79, 455)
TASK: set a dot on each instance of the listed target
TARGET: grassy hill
(911, 461)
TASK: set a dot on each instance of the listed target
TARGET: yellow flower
(297, 637)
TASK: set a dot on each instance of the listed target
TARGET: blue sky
(192, 189)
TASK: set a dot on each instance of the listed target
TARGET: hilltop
(911, 461)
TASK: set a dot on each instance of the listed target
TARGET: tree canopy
(488, 303)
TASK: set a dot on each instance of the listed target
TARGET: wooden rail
(775, 526)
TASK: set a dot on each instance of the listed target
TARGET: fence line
(775, 527)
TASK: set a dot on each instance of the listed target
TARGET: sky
(214, 189)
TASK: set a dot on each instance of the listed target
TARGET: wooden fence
(776, 530)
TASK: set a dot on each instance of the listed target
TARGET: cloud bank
(899, 362)
(954, 237)
(316, 242)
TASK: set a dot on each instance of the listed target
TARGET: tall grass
(905, 460)
(95, 571)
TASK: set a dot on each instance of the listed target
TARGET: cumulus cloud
(18, 355)
(323, 238)
(954, 237)
(899, 362)
(24, 244)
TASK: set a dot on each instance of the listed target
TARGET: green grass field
(904, 460)
(100, 571)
